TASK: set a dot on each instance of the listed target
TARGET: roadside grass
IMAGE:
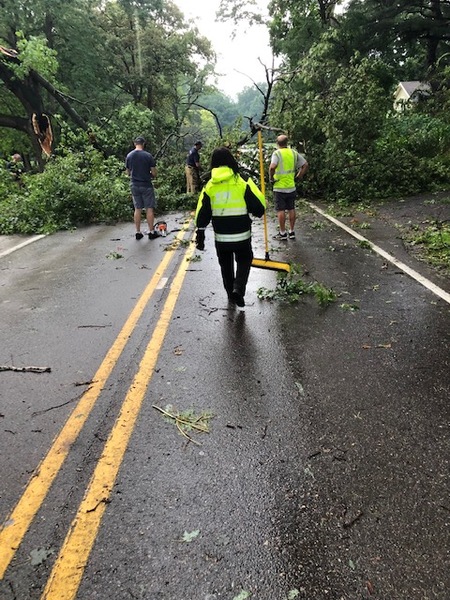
(291, 288)
(431, 243)
(428, 240)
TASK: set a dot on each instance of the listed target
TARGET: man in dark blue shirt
(193, 169)
(141, 167)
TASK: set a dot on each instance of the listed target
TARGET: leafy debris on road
(242, 596)
(300, 388)
(190, 536)
(187, 421)
(431, 242)
(40, 555)
(291, 287)
(307, 470)
(114, 255)
(176, 244)
(349, 307)
(26, 369)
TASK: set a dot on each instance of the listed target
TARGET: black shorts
(284, 200)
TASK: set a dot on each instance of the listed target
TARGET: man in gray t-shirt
(141, 167)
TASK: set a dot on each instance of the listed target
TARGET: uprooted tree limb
(28, 91)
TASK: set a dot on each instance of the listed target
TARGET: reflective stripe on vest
(232, 237)
(228, 202)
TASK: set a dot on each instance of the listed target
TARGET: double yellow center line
(67, 573)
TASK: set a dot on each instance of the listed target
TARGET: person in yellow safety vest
(286, 165)
(227, 200)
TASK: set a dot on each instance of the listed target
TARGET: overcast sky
(240, 54)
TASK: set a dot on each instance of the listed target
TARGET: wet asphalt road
(326, 470)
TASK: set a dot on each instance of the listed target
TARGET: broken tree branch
(26, 369)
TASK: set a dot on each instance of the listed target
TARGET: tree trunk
(28, 92)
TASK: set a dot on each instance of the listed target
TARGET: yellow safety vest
(284, 176)
(229, 210)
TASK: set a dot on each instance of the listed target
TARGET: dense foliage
(338, 99)
(107, 71)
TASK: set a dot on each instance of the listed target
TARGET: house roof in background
(412, 86)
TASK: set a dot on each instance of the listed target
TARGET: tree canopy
(83, 76)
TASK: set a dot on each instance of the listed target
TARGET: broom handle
(263, 190)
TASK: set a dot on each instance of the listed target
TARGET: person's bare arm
(302, 170)
(272, 168)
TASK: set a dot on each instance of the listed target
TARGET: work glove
(200, 239)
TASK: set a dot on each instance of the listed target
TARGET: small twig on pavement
(179, 419)
(188, 437)
(102, 501)
(45, 410)
(25, 369)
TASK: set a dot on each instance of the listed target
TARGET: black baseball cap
(139, 140)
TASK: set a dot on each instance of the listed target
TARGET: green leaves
(80, 188)
(188, 537)
(242, 595)
(291, 287)
(35, 54)
(187, 422)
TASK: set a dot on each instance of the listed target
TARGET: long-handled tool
(266, 263)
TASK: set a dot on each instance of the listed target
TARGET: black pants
(242, 253)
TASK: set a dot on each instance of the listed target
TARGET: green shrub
(75, 189)
(170, 185)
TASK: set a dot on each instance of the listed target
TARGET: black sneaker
(281, 236)
(237, 298)
(292, 235)
(139, 235)
(152, 235)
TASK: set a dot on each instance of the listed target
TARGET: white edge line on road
(417, 276)
(35, 238)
